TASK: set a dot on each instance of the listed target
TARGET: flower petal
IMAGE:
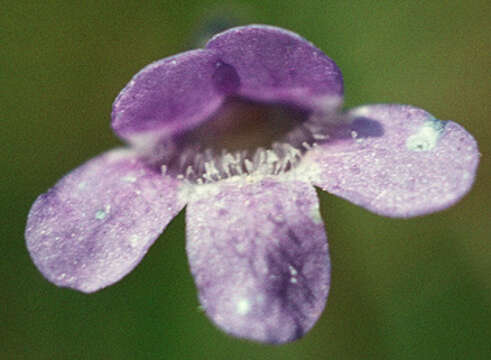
(94, 226)
(274, 64)
(167, 96)
(262, 63)
(259, 256)
(397, 161)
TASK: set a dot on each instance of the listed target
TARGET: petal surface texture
(94, 226)
(167, 96)
(258, 254)
(397, 161)
(274, 64)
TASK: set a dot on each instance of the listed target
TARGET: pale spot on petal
(426, 137)
(134, 240)
(129, 179)
(243, 306)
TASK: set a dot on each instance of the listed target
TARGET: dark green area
(401, 289)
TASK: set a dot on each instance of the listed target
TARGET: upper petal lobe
(261, 63)
(274, 64)
(168, 96)
(95, 224)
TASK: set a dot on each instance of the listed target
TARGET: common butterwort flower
(240, 132)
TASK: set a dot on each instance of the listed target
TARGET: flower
(240, 131)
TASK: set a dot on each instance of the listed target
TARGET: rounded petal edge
(96, 224)
(275, 64)
(167, 97)
(259, 256)
(397, 161)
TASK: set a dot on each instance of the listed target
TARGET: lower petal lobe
(258, 253)
(397, 161)
(94, 226)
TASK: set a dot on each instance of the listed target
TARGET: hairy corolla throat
(244, 137)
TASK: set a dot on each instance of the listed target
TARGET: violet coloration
(240, 132)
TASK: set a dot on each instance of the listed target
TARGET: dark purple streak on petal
(258, 253)
(95, 225)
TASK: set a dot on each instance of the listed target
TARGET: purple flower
(240, 131)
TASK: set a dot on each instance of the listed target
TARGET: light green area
(401, 289)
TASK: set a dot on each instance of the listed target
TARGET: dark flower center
(242, 137)
(245, 125)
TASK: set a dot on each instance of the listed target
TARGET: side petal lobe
(397, 161)
(94, 226)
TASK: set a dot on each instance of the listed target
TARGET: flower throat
(243, 137)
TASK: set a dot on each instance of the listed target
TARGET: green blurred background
(401, 289)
